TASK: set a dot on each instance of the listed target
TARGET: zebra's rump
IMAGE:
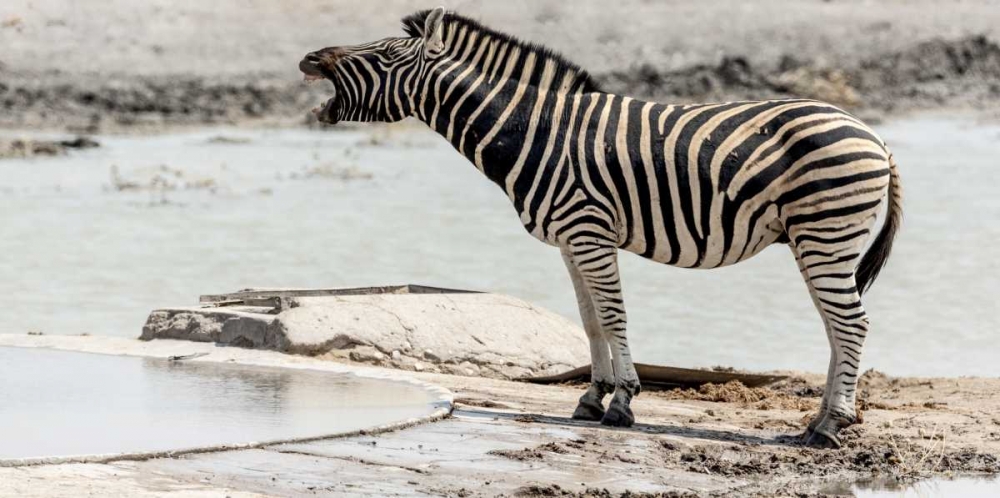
(709, 185)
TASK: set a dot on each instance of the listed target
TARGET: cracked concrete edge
(442, 399)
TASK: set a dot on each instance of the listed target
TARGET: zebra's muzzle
(310, 66)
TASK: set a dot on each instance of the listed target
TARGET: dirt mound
(798, 387)
(760, 398)
(556, 490)
(872, 380)
(536, 453)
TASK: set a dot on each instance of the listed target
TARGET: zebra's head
(376, 81)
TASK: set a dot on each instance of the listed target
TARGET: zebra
(690, 185)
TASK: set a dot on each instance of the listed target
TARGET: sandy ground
(514, 439)
(118, 64)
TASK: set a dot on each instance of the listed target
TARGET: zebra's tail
(877, 255)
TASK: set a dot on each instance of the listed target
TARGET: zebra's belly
(727, 241)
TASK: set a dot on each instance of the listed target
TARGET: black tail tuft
(878, 254)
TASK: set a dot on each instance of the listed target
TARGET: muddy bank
(515, 439)
(90, 104)
(746, 441)
(29, 147)
(959, 72)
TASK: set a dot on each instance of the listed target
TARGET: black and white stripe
(695, 186)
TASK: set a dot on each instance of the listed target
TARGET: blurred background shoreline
(119, 66)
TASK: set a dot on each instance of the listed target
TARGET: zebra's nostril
(313, 59)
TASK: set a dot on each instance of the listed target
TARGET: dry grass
(914, 459)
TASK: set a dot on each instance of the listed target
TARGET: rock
(468, 368)
(366, 354)
(465, 368)
(483, 334)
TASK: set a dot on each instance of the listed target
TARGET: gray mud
(939, 73)
(931, 74)
(32, 147)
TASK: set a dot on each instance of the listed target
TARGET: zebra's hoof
(813, 424)
(585, 411)
(618, 416)
(819, 438)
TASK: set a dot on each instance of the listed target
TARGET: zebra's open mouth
(327, 113)
(312, 69)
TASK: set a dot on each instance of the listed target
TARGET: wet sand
(513, 439)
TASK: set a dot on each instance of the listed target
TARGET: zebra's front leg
(602, 381)
(597, 266)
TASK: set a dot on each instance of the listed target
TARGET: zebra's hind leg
(829, 372)
(602, 381)
(597, 265)
(828, 261)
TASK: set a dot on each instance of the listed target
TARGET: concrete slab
(405, 327)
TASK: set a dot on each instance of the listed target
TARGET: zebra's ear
(434, 32)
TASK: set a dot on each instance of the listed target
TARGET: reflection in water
(55, 403)
(965, 487)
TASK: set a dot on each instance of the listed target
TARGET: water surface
(965, 487)
(294, 208)
(56, 403)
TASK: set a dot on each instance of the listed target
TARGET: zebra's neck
(497, 107)
(486, 92)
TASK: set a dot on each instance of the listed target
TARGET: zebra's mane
(413, 25)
